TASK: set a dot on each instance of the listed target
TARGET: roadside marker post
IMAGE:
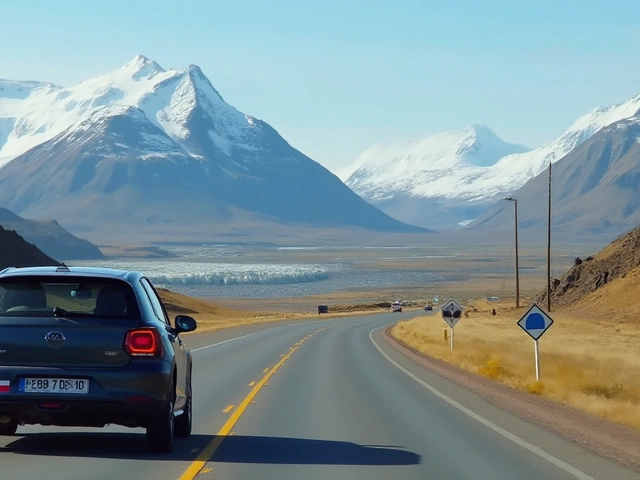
(451, 314)
(535, 322)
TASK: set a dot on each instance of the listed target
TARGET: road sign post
(451, 314)
(535, 322)
(452, 338)
(537, 355)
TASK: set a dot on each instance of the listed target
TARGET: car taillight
(143, 342)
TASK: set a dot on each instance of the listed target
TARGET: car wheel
(160, 431)
(8, 429)
(184, 422)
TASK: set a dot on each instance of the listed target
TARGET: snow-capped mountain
(423, 186)
(146, 145)
(420, 182)
(19, 90)
(167, 98)
(417, 167)
(595, 188)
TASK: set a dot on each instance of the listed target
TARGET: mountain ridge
(50, 237)
(595, 188)
(15, 251)
(144, 144)
(451, 197)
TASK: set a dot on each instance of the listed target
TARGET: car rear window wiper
(61, 313)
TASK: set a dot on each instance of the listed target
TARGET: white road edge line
(517, 440)
(225, 341)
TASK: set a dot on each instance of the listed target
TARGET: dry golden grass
(211, 316)
(590, 364)
(208, 315)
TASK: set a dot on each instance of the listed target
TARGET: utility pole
(549, 247)
(515, 201)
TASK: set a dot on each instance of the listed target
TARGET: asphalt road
(314, 400)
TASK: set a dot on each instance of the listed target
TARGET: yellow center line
(210, 449)
(228, 409)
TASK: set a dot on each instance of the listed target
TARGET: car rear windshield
(47, 296)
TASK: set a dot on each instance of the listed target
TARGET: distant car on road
(88, 347)
(396, 307)
(428, 308)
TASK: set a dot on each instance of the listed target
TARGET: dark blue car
(89, 347)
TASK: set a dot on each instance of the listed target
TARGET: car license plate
(54, 385)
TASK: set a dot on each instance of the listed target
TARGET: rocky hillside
(615, 261)
(16, 252)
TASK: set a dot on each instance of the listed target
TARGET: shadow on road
(234, 449)
(300, 451)
(102, 445)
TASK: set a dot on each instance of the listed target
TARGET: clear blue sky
(334, 77)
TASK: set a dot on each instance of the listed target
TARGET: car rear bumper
(81, 413)
(127, 396)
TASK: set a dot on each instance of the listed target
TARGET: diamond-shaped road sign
(535, 322)
(451, 312)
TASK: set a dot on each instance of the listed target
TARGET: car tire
(184, 423)
(8, 429)
(161, 430)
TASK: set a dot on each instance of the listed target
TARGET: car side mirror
(185, 323)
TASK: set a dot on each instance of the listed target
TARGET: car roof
(63, 270)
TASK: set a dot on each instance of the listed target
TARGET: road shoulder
(599, 436)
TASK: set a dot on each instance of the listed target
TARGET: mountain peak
(479, 131)
(107, 150)
(200, 81)
(477, 128)
(141, 67)
(475, 146)
(482, 147)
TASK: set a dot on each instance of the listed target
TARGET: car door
(179, 348)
